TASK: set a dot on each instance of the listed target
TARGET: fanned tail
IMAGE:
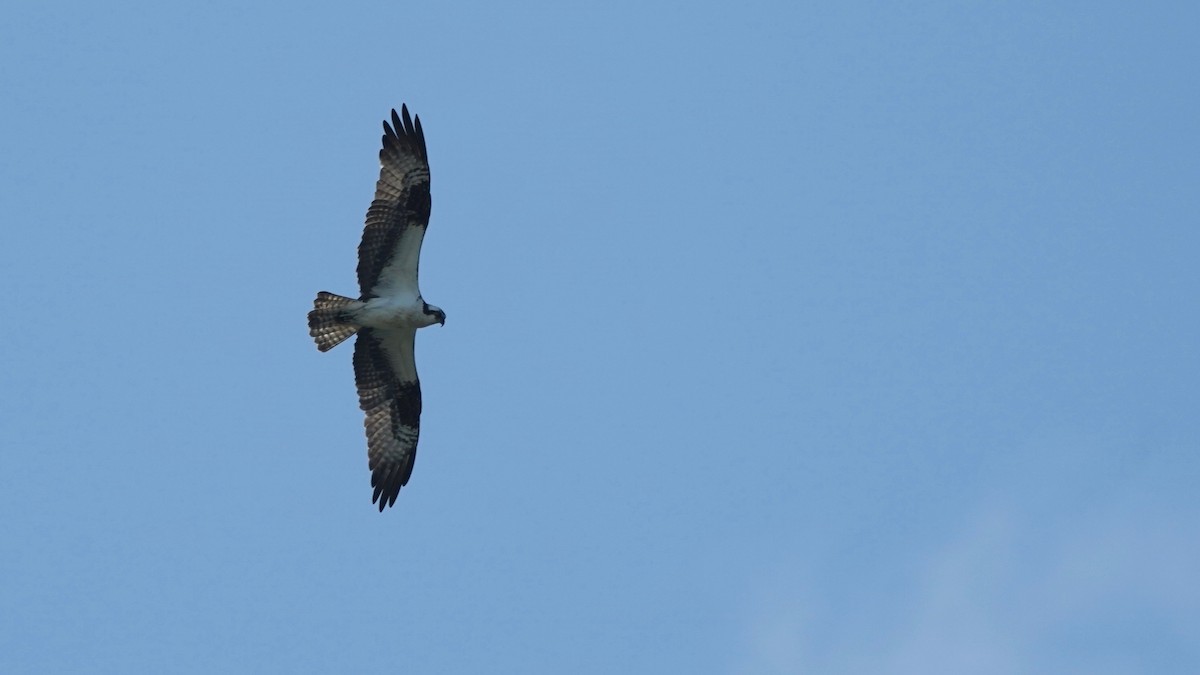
(329, 322)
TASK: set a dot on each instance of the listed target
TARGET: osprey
(389, 309)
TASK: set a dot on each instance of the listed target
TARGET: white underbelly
(392, 313)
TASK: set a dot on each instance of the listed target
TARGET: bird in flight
(389, 309)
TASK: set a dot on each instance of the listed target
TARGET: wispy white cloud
(1100, 578)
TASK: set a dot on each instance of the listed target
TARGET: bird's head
(436, 314)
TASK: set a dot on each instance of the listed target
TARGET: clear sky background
(783, 338)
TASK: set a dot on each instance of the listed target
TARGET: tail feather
(329, 322)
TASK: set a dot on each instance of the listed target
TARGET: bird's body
(389, 310)
(393, 312)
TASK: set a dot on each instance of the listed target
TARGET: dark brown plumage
(401, 197)
(389, 309)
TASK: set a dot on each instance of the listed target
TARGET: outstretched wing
(390, 394)
(391, 244)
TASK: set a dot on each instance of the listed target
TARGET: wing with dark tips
(390, 250)
(390, 395)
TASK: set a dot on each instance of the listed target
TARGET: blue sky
(782, 338)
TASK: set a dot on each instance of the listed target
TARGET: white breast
(393, 312)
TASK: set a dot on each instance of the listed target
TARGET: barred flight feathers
(392, 406)
(389, 309)
(400, 209)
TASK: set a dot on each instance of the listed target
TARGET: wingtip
(403, 129)
(384, 499)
